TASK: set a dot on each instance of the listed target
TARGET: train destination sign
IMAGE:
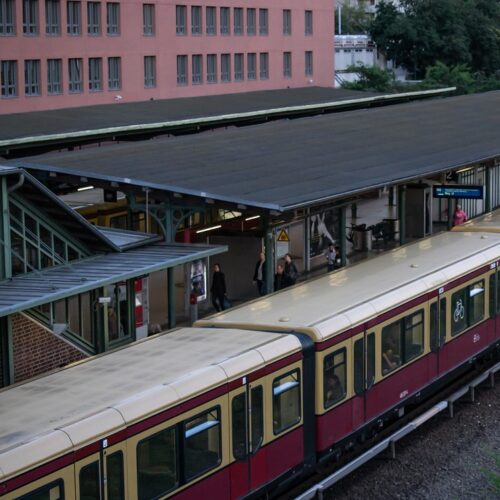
(458, 191)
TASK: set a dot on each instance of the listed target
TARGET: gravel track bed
(443, 460)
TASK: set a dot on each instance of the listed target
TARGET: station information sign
(458, 191)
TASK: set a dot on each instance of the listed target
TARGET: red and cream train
(254, 397)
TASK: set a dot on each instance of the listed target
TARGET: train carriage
(387, 331)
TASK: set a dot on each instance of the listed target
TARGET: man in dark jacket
(218, 288)
(259, 276)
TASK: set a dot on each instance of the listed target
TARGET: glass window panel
(31, 257)
(202, 444)
(414, 335)
(251, 66)
(51, 491)
(17, 253)
(370, 360)
(434, 326)
(60, 248)
(75, 73)
(211, 21)
(442, 319)
(263, 21)
(32, 77)
(148, 14)
(239, 425)
(94, 18)
(149, 71)
(113, 18)
(9, 78)
(239, 71)
(212, 68)
(286, 401)
(7, 18)
(334, 377)
(359, 360)
(391, 347)
(30, 17)
(114, 73)
(251, 21)
(224, 21)
(73, 14)
(54, 76)
(181, 20)
(86, 315)
(196, 28)
(74, 314)
(114, 466)
(157, 470)
(458, 311)
(89, 481)
(197, 68)
(60, 311)
(52, 17)
(238, 20)
(308, 22)
(287, 22)
(476, 302)
(257, 417)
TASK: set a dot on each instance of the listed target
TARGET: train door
(102, 475)
(247, 431)
(437, 332)
(363, 362)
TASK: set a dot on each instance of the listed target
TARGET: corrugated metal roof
(287, 164)
(30, 290)
(125, 239)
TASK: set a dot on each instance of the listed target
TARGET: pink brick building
(66, 53)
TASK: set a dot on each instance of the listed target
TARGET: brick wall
(37, 350)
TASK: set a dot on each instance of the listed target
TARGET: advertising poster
(324, 228)
(198, 275)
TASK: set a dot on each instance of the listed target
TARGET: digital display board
(458, 191)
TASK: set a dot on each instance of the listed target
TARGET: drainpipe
(17, 185)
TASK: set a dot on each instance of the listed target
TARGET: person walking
(330, 255)
(218, 288)
(259, 276)
(459, 216)
(290, 271)
(279, 278)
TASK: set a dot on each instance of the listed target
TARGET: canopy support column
(6, 352)
(268, 251)
(402, 214)
(5, 253)
(343, 243)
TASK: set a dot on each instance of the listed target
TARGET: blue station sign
(458, 191)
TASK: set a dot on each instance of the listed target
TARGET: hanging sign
(458, 191)
(282, 243)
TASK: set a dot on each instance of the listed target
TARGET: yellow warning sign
(283, 236)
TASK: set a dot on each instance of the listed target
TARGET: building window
(114, 73)
(9, 78)
(75, 75)
(149, 71)
(196, 20)
(52, 17)
(74, 13)
(239, 71)
(180, 20)
(251, 66)
(309, 63)
(7, 18)
(54, 76)
(263, 21)
(251, 18)
(309, 22)
(287, 22)
(32, 77)
(212, 68)
(225, 67)
(30, 17)
(238, 21)
(113, 18)
(211, 20)
(148, 19)
(95, 74)
(94, 18)
(181, 70)
(197, 63)
(264, 65)
(287, 64)
(224, 21)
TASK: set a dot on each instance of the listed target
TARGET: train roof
(489, 222)
(335, 302)
(70, 408)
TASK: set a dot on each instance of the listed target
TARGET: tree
(370, 78)
(418, 33)
(354, 18)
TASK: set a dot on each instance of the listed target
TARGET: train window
(434, 324)
(413, 335)
(202, 446)
(497, 295)
(467, 307)
(370, 360)
(114, 466)
(239, 425)
(494, 294)
(359, 362)
(257, 417)
(442, 319)
(334, 377)
(286, 401)
(89, 481)
(391, 347)
(157, 470)
(51, 491)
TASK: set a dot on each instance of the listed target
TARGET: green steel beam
(5, 254)
(268, 252)
(6, 351)
(487, 201)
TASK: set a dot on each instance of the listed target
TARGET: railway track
(385, 443)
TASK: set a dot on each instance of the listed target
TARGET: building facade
(68, 53)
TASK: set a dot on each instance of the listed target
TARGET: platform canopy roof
(40, 287)
(290, 164)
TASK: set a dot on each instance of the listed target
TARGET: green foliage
(419, 33)
(451, 76)
(354, 19)
(493, 476)
(370, 78)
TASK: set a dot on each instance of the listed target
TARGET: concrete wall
(37, 350)
(132, 46)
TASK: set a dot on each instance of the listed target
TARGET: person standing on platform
(459, 216)
(259, 276)
(218, 288)
(279, 278)
(291, 273)
(330, 255)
